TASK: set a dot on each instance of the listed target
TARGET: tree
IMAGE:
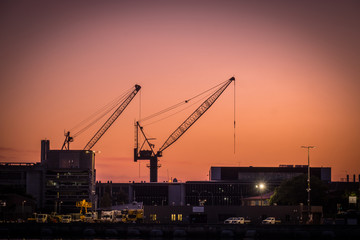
(293, 191)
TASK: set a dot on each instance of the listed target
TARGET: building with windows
(21, 189)
(69, 177)
(228, 186)
(270, 175)
(22, 179)
(62, 178)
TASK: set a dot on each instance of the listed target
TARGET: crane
(106, 125)
(141, 154)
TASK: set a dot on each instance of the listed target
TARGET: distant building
(69, 177)
(228, 186)
(22, 178)
(270, 175)
(62, 178)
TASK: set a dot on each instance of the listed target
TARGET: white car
(271, 220)
(66, 219)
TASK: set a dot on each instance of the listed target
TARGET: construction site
(62, 187)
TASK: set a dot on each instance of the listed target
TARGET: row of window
(173, 217)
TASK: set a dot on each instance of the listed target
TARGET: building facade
(23, 178)
(270, 175)
(69, 177)
(228, 186)
(62, 178)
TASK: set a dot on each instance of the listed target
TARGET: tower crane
(141, 154)
(106, 125)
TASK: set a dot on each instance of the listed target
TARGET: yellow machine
(134, 215)
(32, 218)
(83, 205)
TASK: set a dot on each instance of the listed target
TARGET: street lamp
(308, 180)
(260, 186)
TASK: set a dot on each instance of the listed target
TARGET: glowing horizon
(295, 66)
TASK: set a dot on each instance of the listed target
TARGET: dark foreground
(205, 231)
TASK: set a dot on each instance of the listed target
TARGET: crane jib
(112, 119)
(194, 116)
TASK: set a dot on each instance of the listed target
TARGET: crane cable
(95, 117)
(161, 119)
(178, 105)
(234, 120)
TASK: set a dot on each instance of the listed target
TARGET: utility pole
(308, 181)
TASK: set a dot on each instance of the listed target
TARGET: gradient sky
(296, 65)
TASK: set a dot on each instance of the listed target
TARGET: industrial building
(273, 175)
(23, 178)
(56, 183)
(64, 177)
(228, 186)
(69, 177)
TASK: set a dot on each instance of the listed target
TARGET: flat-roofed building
(22, 178)
(270, 175)
(69, 177)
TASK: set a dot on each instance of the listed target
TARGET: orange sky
(296, 69)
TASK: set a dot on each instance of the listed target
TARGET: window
(179, 217)
(153, 217)
(173, 217)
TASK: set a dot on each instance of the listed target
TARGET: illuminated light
(260, 186)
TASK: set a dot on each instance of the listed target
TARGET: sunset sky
(296, 65)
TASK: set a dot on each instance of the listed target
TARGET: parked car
(42, 218)
(271, 220)
(66, 219)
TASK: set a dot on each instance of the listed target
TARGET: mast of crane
(140, 154)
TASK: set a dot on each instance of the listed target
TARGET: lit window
(173, 217)
(180, 217)
(153, 217)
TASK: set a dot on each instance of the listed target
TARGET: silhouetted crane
(106, 125)
(140, 154)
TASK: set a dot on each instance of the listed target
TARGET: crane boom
(112, 119)
(194, 117)
(142, 154)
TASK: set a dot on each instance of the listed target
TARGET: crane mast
(140, 154)
(112, 119)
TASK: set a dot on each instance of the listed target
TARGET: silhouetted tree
(293, 191)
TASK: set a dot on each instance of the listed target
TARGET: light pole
(55, 205)
(308, 181)
(60, 206)
(260, 186)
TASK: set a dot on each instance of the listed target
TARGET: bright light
(260, 186)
